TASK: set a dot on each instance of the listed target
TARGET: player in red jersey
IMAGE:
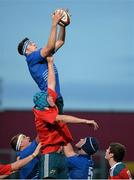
(52, 129)
(115, 154)
(7, 169)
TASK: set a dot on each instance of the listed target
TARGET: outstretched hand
(92, 122)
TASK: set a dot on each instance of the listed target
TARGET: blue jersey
(30, 170)
(38, 68)
(80, 167)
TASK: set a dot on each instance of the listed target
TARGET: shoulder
(28, 150)
(74, 158)
(33, 144)
(78, 161)
(36, 56)
(118, 169)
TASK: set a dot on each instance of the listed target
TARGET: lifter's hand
(37, 150)
(50, 59)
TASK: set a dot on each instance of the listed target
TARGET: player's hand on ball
(56, 16)
(65, 19)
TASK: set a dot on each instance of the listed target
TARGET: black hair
(20, 46)
(118, 151)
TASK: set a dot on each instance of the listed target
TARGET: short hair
(118, 151)
(13, 141)
(21, 46)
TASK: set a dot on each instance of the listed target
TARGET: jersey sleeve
(35, 57)
(125, 174)
(28, 150)
(52, 93)
(5, 169)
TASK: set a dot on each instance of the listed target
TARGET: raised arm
(68, 150)
(22, 162)
(51, 75)
(61, 38)
(49, 48)
(72, 119)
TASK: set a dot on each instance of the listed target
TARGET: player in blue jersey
(36, 58)
(80, 164)
(25, 147)
(8, 169)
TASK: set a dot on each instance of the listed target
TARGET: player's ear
(111, 155)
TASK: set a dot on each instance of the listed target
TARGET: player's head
(26, 46)
(116, 151)
(40, 100)
(89, 145)
(19, 141)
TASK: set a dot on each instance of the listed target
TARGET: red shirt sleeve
(52, 93)
(125, 174)
(5, 169)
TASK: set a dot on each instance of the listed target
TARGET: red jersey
(119, 171)
(5, 169)
(52, 134)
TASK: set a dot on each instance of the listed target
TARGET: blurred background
(95, 66)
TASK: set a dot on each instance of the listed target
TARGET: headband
(19, 142)
(25, 46)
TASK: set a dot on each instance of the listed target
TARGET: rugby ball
(65, 20)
